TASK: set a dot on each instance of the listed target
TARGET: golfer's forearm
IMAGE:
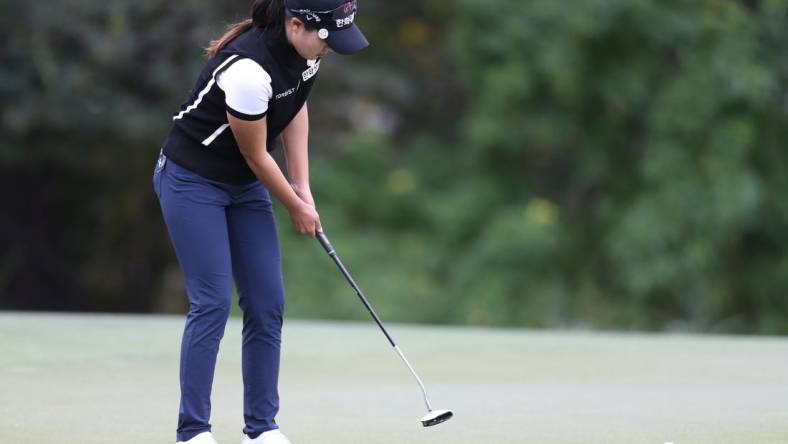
(251, 139)
(267, 171)
(295, 139)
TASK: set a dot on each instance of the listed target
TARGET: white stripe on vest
(206, 89)
(215, 134)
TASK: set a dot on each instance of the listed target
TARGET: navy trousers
(224, 233)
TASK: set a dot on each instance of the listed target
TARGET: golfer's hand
(305, 219)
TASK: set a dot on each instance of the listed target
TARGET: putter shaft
(330, 250)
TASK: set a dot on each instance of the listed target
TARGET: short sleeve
(247, 89)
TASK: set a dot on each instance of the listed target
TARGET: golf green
(100, 379)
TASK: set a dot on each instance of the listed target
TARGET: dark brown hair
(265, 14)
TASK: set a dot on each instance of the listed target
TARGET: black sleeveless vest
(200, 138)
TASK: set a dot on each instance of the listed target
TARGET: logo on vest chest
(306, 75)
(311, 71)
(284, 94)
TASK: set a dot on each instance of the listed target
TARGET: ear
(294, 23)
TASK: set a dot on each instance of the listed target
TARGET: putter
(433, 417)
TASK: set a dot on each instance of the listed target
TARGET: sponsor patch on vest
(311, 71)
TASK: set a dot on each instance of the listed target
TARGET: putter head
(436, 417)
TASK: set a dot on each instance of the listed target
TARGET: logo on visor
(343, 15)
(347, 21)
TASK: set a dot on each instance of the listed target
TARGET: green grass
(102, 379)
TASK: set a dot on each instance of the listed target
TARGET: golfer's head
(315, 27)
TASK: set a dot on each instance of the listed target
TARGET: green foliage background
(609, 164)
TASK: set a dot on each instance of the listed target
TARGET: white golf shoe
(202, 438)
(269, 437)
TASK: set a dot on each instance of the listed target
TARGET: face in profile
(305, 41)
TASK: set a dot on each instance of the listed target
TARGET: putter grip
(324, 242)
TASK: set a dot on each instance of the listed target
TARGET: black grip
(324, 242)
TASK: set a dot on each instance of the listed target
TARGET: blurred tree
(87, 89)
(609, 163)
(645, 122)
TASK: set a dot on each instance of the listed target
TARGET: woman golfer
(213, 179)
